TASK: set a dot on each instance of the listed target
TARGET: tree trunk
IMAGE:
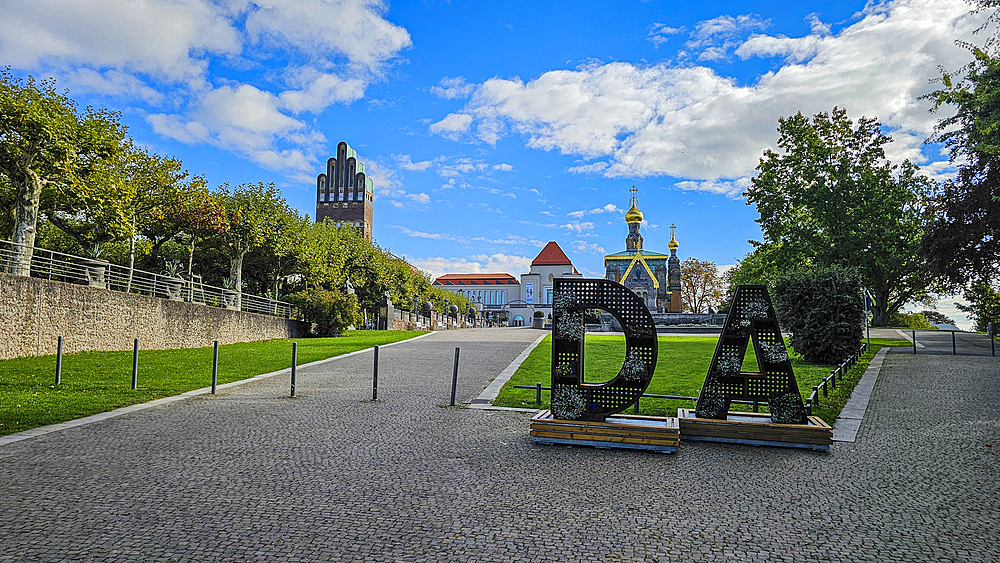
(131, 257)
(236, 274)
(25, 223)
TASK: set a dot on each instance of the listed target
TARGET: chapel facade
(654, 276)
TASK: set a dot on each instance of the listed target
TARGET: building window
(548, 294)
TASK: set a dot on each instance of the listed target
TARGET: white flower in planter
(634, 368)
(773, 352)
(570, 326)
(567, 404)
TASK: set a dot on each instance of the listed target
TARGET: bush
(911, 320)
(823, 310)
(330, 312)
(539, 314)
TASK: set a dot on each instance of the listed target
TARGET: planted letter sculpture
(751, 316)
(573, 399)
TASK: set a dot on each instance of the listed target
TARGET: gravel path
(250, 475)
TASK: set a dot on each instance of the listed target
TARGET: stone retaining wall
(34, 312)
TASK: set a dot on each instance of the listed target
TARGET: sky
(492, 127)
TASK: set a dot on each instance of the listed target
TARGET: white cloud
(590, 247)
(452, 126)
(609, 208)
(477, 264)
(659, 33)
(420, 198)
(578, 227)
(162, 38)
(406, 163)
(451, 88)
(692, 123)
(114, 83)
(592, 168)
(714, 38)
(159, 52)
(353, 29)
(732, 189)
(503, 167)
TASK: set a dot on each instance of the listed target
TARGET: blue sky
(490, 128)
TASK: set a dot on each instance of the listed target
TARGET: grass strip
(95, 382)
(681, 366)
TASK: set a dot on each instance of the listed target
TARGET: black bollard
(454, 378)
(295, 357)
(375, 377)
(914, 341)
(538, 393)
(954, 351)
(59, 361)
(215, 366)
(135, 364)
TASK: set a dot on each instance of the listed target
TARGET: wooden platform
(755, 429)
(654, 433)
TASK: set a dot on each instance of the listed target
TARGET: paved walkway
(250, 475)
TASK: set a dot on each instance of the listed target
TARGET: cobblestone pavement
(249, 475)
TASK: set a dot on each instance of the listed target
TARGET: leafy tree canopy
(830, 198)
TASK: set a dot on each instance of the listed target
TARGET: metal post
(59, 361)
(756, 405)
(815, 388)
(454, 377)
(825, 392)
(954, 351)
(538, 393)
(215, 366)
(375, 377)
(636, 409)
(914, 341)
(295, 358)
(868, 328)
(993, 349)
(135, 364)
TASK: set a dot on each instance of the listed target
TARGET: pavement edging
(76, 422)
(485, 399)
(847, 425)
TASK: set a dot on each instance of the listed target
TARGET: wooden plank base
(755, 429)
(653, 433)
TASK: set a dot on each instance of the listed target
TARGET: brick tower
(344, 193)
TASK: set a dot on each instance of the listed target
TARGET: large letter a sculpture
(751, 316)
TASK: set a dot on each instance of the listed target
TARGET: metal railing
(57, 266)
(829, 381)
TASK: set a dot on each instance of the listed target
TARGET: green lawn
(94, 382)
(681, 367)
(896, 342)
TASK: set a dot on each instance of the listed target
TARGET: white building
(501, 294)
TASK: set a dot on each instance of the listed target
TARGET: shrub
(823, 310)
(911, 320)
(330, 312)
(539, 314)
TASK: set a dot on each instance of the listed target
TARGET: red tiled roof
(477, 279)
(552, 255)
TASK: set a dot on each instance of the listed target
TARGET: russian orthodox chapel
(653, 276)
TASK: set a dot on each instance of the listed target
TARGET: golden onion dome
(633, 215)
(672, 245)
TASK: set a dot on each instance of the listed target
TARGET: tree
(984, 305)
(701, 285)
(253, 215)
(43, 141)
(830, 198)
(824, 311)
(937, 317)
(963, 243)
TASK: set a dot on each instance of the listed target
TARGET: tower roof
(633, 215)
(551, 255)
(672, 245)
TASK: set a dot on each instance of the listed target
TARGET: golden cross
(633, 190)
